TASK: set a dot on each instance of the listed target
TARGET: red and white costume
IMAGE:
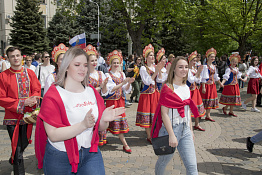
(116, 97)
(149, 95)
(231, 93)
(253, 84)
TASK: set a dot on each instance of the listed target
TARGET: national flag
(79, 40)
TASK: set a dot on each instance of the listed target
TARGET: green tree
(62, 28)
(233, 22)
(28, 31)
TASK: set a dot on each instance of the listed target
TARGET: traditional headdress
(210, 51)
(192, 56)
(147, 50)
(160, 53)
(235, 55)
(61, 48)
(90, 50)
(113, 55)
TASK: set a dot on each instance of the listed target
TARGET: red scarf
(170, 99)
(53, 112)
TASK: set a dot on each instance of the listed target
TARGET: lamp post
(98, 44)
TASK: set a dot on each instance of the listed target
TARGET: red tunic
(15, 87)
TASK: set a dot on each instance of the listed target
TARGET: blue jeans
(257, 138)
(185, 148)
(56, 162)
(240, 83)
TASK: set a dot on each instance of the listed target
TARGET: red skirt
(146, 109)
(118, 126)
(196, 97)
(209, 99)
(253, 86)
(230, 95)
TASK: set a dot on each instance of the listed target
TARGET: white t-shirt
(32, 67)
(44, 72)
(76, 109)
(184, 93)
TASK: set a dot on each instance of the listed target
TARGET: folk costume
(58, 102)
(209, 76)
(116, 97)
(50, 79)
(253, 84)
(159, 56)
(15, 87)
(149, 96)
(192, 80)
(96, 79)
(231, 93)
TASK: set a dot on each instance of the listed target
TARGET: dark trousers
(18, 163)
(259, 95)
(136, 92)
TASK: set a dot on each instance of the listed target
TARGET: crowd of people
(82, 96)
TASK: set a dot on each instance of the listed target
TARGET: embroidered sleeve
(216, 77)
(124, 86)
(146, 78)
(227, 74)
(204, 74)
(103, 78)
(111, 84)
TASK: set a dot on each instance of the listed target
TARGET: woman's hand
(203, 90)
(200, 69)
(160, 65)
(173, 141)
(111, 114)
(221, 85)
(104, 83)
(126, 80)
(89, 120)
(131, 80)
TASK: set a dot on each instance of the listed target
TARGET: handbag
(161, 144)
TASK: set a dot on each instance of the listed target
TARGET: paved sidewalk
(221, 149)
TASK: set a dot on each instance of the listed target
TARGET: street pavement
(221, 149)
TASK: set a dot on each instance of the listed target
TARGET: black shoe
(136, 101)
(250, 145)
(258, 105)
(131, 100)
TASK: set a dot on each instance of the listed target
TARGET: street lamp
(97, 23)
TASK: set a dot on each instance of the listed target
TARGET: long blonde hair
(68, 58)
(171, 74)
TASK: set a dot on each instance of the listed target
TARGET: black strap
(39, 73)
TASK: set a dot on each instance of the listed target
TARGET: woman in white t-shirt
(71, 114)
(173, 118)
(43, 70)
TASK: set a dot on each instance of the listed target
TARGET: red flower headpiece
(235, 55)
(90, 50)
(192, 56)
(61, 48)
(210, 51)
(113, 55)
(147, 50)
(160, 53)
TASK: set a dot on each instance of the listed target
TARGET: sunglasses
(47, 56)
(28, 60)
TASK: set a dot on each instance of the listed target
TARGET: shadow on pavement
(241, 154)
(30, 164)
(228, 168)
(2, 127)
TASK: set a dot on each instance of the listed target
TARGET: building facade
(7, 8)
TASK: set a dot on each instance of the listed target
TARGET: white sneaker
(254, 110)
(244, 106)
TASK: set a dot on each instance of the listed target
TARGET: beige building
(7, 8)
